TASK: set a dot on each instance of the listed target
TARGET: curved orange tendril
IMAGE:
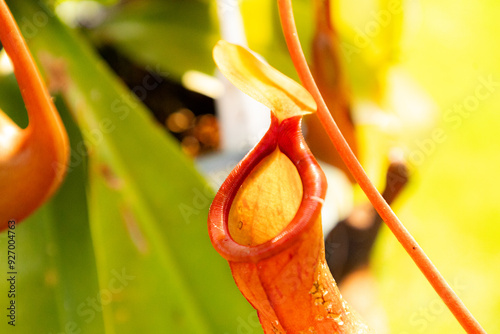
(443, 289)
(33, 160)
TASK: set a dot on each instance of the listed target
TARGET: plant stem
(450, 298)
(38, 101)
(35, 159)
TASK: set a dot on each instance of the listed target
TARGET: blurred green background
(123, 246)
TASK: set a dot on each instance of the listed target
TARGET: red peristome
(285, 279)
(287, 136)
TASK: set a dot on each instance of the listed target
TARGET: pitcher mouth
(287, 137)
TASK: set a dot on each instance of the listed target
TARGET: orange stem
(38, 101)
(450, 298)
(34, 160)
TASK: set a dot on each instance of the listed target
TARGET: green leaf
(54, 257)
(177, 36)
(104, 2)
(11, 101)
(147, 203)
